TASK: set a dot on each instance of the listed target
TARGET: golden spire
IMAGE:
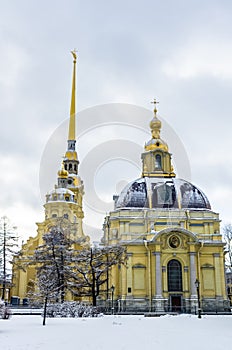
(72, 125)
(71, 154)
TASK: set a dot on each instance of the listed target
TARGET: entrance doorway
(175, 303)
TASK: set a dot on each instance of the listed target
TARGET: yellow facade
(172, 238)
(63, 208)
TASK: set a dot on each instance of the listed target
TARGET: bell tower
(156, 159)
(65, 200)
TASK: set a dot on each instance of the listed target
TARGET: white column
(158, 277)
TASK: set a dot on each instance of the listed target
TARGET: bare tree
(92, 266)
(228, 238)
(8, 247)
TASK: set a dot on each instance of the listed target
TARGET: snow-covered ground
(117, 332)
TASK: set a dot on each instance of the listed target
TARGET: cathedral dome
(155, 192)
(158, 187)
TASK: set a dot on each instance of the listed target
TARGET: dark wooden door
(176, 303)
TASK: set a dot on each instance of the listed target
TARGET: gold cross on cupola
(155, 102)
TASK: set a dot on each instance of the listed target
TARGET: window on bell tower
(158, 161)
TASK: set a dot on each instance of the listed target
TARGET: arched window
(70, 167)
(174, 276)
(158, 161)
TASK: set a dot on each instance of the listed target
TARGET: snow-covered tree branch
(8, 247)
(93, 265)
(228, 239)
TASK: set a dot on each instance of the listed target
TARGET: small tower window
(158, 161)
(70, 166)
(67, 198)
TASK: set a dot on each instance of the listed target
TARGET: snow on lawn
(117, 332)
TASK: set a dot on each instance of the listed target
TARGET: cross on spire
(155, 102)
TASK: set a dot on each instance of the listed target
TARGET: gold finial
(74, 53)
(155, 102)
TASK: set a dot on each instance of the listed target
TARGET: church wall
(138, 274)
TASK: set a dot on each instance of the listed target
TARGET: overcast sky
(128, 53)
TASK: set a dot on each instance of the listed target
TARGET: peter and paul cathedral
(175, 252)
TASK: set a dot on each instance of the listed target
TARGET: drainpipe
(145, 241)
(199, 269)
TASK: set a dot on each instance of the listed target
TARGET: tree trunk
(94, 299)
(45, 310)
(94, 294)
(4, 262)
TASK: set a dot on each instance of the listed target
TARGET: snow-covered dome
(162, 193)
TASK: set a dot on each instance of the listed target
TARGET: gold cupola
(156, 158)
(156, 142)
(62, 173)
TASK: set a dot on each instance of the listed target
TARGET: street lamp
(197, 284)
(112, 299)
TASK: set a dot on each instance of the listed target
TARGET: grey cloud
(122, 49)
